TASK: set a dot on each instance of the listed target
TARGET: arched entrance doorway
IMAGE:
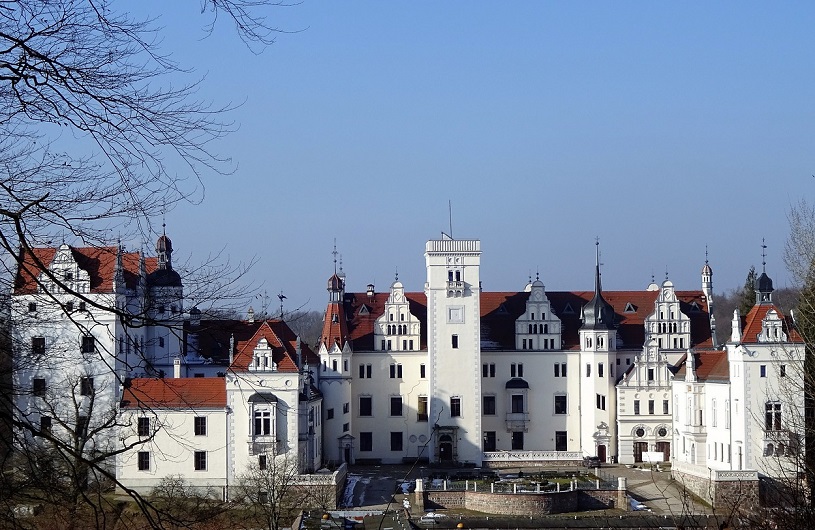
(445, 448)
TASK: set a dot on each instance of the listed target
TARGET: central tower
(453, 291)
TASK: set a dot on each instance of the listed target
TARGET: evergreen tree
(747, 299)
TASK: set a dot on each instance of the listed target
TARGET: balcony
(517, 421)
(262, 445)
(455, 289)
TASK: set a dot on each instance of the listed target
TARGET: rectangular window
(421, 409)
(560, 404)
(262, 462)
(345, 408)
(455, 343)
(200, 460)
(69, 307)
(396, 405)
(37, 345)
(561, 440)
(396, 441)
(329, 414)
(562, 369)
(345, 365)
(368, 371)
(601, 401)
(200, 425)
(783, 371)
(650, 374)
(636, 406)
(520, 369)
(144, 426)
(772, 418)
(489, 405)
(82, 426)
(82, 306)
(366, 406)
(39, 387)
(45, 424)
(455, 407)
(557, 369)
(650, 406)
(762, 370)
(346, 427)
(86, 386)
(517, 404)
(334, 365)
(396, 371)
(600, 369)
(32, 307)
(484, 370)
(665, 406)
(366, 441)
(144, 461)
(161, 342)
(361, 371)
(588, 369)
(263, 422)
(422, 371)
(512, 370)
(88, 344)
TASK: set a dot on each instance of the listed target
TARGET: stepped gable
(711, 365)
(283, 342)
(361, 323)
(752, 324)
(188, 392)
(499, 310)
(99, 262)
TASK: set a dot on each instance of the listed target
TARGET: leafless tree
(88, 71)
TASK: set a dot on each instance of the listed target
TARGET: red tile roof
(188, 392)
(335, 326)
(499, 310)
(99, 262)
(752, 324)
(711, 365)
(283, 342)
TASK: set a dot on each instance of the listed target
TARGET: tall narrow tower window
(455, 341)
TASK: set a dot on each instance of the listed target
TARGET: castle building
(450, 374)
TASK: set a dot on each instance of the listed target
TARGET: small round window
(662, 431)
(640, 432)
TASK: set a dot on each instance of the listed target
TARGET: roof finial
(705, 254)
(597, 286)
(653, 279)
(396, 276)
(530, 276)
(334, 252)
(666, 273)
(763, 256)
(537, 275)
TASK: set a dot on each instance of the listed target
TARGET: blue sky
(658, 127)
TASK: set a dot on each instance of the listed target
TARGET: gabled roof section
(283, 342)
(360, 329)
(711, 365)
(753, 324)
(99, 262)
(184, 393)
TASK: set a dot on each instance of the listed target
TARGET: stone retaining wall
(532, 504)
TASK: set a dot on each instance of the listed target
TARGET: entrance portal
(601, 453)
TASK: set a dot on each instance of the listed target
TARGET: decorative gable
(397, 329)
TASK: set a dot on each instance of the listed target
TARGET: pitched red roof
(187, 392)
(753, 323)
(711, 365)
(499, 310)
(283, 342)
(99, 262)
(335, 326)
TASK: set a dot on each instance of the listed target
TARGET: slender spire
(763, 256)
(597, 287)
(334, 252)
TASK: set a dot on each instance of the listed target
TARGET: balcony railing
(262, 446)
(517, 421)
